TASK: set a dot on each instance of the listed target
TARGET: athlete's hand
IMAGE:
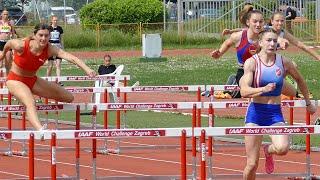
(91, 73)
(283, 43)
(226, 32)
(216, 54)
(311, 108)
(269, 87)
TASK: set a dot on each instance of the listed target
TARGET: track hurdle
(143, 106)
(183, 133)
(291, 104)
(288, 103)
(40, 108)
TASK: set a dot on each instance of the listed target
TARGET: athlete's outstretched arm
(230, 31)
(14, 44)
(295, 74)
(235, 37)
(53, 51)
(301, 45)
(247, 80)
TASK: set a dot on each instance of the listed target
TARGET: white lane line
(276, 160)
(14, 174)
(86, 166)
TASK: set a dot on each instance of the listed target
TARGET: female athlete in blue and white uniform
(263, 81)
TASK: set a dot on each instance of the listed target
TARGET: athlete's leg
(25, 96)
(252, 144)
(50, 66)
(58, 67)
(51, 90)
(280, 144)
(8, 61)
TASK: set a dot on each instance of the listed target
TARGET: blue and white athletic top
(269, 74)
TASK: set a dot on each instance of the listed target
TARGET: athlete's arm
(53, 51)
(230, 31)
(301, 45)
(15, 44)
(247, 79)
(233, 39)
(295, 74)
(13, 31)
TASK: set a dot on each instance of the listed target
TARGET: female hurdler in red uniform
(29, 55)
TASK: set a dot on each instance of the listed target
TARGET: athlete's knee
(69, 98)
(282, 149)
(252, 165)
(30, 105)
(251, 168)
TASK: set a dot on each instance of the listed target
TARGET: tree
(13, 3)
(122, 11)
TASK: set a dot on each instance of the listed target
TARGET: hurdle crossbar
(87, 78)
(245, 104)
(43, 107)
(144, 106)
(162, 132)
(180, 88)
(80, 78)
(223, 87)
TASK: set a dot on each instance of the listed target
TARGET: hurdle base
(163, 177)
(7, 153)
(313, 177)
(108, 151)
(58, 177)
(20, 153)
(260, 175)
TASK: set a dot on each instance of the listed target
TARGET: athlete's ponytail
(243, 14)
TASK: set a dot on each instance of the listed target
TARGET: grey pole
(164, 15)
(179, 16)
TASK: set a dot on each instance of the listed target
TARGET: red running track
(141, 162)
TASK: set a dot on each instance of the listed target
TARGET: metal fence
(212, 16)
(203, 20)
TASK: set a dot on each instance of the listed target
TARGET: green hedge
(122, 11)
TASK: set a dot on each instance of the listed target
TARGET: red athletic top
(28, 61)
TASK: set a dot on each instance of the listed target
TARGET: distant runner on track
(29, 55)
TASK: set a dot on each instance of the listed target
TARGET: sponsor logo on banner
(5, 135)
(143, 106)
(231, 88)
(287, 104)
(119, 133)
(276, 130)
(84, 78)
(80, 90)
(160, 88)
(12, 108)
(50, 107)
(237, 104)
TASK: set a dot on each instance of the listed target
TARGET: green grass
(150, 119)
(188, 70)
(193, 70)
